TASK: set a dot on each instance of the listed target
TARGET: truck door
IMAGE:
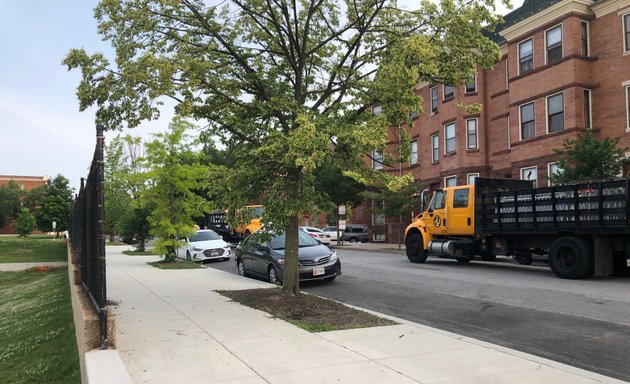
(460, 211)
(437, 214)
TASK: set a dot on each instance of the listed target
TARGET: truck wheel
(524, 258)
(415, 248)
(571, 258)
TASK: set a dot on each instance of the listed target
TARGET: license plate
(214, 253)
(318, 271)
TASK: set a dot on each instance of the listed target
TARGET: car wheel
(241, 268)
(415, 248)
(188, 257)
(272, 274)
(353, 240)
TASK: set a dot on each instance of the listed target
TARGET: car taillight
(312, 235)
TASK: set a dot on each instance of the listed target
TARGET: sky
(42, 132)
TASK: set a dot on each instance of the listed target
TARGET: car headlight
(333, 256)
(197, 249)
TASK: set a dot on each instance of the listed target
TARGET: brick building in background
(25, 183)
(565, 66)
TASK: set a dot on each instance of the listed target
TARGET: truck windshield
(437, 201)
(256, 213)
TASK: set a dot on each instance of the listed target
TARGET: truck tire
(571, 258)
(524, 258)
(414, 246)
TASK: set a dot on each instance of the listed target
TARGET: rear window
(357, 230)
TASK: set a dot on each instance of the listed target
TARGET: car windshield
(204, 236)
(305, 240)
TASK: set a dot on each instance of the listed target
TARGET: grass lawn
(177, 264)
(148, 252)
(37, 344)
(34, 248)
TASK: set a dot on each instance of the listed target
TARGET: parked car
(204, 245)
(262, 256)
(332, 231)
(318, 234)
(355, 233)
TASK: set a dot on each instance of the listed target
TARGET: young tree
(587, 158)
(117, 197)
(282, 83)
(24, 224)
(55, 205)
(11, 197)
(174, 173)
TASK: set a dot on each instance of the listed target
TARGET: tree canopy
(282, 83)
(56, 205)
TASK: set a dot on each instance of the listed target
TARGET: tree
(174, 173)
(11, 196)
(587, 158)
(282, 83)
(117, 197)
(25, 223)
(55, 205)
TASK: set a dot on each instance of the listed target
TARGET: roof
(528, 9)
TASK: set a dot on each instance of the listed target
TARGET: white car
(332, 231)
(318, 234)
(203, 245)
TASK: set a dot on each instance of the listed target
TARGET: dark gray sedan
(261, 257)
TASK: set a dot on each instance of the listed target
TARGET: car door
(181, 251)
(247, 252)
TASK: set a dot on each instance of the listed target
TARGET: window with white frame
(553, 41)
(471, 134)
(555, 113)
(449, 138)
(552, 169)
(435, 148)
(530, 173)
(526, 56)
(434, 100)
(448, 91)
(471, 85)
(377, 109)
(470, 178)
(413, 158)
(378, 214)
(377, 160)
(626, 31)
(450, 181)
(507, 74)
(586, 104)
(528, 122)
(584, 37)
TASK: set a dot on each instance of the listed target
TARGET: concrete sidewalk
(12, 267)
(172, 327)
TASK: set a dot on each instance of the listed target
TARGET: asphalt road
(583, 323)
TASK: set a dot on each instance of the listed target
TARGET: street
(583, 323)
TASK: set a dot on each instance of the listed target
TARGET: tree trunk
(291, 282)
(141, 244)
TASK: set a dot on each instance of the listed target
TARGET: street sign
(54, 224)
(342, 209)
(342, 224)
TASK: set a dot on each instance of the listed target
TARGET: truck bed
(515, 208)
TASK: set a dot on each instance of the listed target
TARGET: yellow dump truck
(246, 221)
(582, 229)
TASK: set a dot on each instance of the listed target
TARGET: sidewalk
(11, 267)
(173, 327)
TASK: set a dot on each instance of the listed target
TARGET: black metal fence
(87, 235)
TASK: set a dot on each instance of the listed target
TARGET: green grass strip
(31, 249)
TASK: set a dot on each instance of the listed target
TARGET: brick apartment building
(565, 66)
(24, 182)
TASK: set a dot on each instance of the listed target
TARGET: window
(628, 107)
(434, 100)
(626, 31)
(449, 91)
(449, 138)
(470, 178)
(377, 160)
(552, 169)
(471, 86)
(378, 216)
(438, 200)
(530, 173)
(507, 74)
(450, 181)
(587, 108)
(509, 134)
(413, 158)
(553, 38)
(460, 198)
(471, 134)
(528, 123)
(435, 148)
(526, 56)
(379, 237)
(584, 36)
(555, 113)
(377, 109)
